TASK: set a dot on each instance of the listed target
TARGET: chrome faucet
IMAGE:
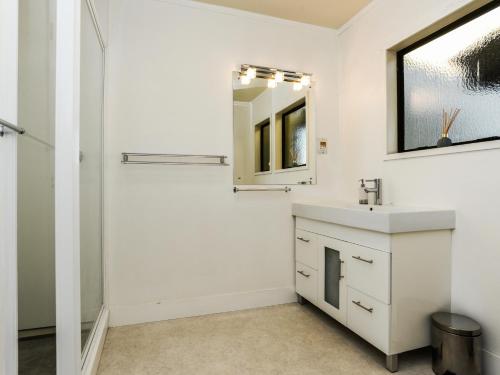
(377, 189)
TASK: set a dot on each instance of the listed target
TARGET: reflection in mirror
(263, 146)
(294, 136)
(35, 190)
(273, 131)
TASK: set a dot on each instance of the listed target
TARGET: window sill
(262, 173)
(296, 169)
(491, 145)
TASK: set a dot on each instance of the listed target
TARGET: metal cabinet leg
(301, 300)
(391, 362)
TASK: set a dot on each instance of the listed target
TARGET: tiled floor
(285, 339)
(37, 356)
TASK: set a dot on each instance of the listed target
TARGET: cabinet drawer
(306, 282)
(306, 249)
(369, 318)
(369, 271)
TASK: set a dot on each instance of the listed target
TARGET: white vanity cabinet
(382, 286)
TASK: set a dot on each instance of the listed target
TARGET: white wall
(102, 11)
(179, 241)
(467, 182)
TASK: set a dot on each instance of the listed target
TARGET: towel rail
(10, 126)
(173, 159)
(285, 189)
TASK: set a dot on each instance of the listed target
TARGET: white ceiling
(328, 13)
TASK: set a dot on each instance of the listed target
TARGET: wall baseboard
(184, 308)
(91, 364)
(491, 363)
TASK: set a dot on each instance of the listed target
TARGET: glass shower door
(91, 163)
(35, 189)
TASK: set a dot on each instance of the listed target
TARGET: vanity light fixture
(273, 76)
(251, 72)
(245, 80)
(279, 76)
(305, 80)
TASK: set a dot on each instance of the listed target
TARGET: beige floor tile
(286, 339)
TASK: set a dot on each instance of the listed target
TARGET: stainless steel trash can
(456, 344)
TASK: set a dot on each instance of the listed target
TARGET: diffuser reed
(448, 121)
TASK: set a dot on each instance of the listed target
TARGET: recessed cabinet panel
(306, 281)
(369, 271)
(306, 248)
(332, 276)
(369, 318)
(331, 283)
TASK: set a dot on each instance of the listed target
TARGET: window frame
(261, 126)
(295, 108)
(400, 75)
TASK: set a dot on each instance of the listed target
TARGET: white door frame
(8, 187)
(67, 186)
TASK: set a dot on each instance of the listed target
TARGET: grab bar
(286, 189)
(10, 126)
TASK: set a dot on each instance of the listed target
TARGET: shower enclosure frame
(8, 186)
(67, 211)
(90, 353)
(70, 358)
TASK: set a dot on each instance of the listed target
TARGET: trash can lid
(456, 324)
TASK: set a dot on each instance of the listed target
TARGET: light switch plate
(322, 146)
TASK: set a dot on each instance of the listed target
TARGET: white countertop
(386, 219)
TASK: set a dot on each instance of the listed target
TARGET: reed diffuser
(448, 121)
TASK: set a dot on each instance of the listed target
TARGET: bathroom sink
(386, 219)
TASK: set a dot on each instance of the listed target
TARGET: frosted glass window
(294, 137)
(456, 68)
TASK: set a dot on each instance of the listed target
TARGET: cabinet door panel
(369, 318)
(306, 248)
(331, 282)
(306, 282)
(369, 271)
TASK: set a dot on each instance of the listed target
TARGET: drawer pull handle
(303, 239)
(363, 260)
(358, 303)
(303, 274)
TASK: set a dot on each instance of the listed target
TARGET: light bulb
(305, 80)
(245, 80)
(297, 86)
(271, 83)
(279, 76)
(251, 72)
